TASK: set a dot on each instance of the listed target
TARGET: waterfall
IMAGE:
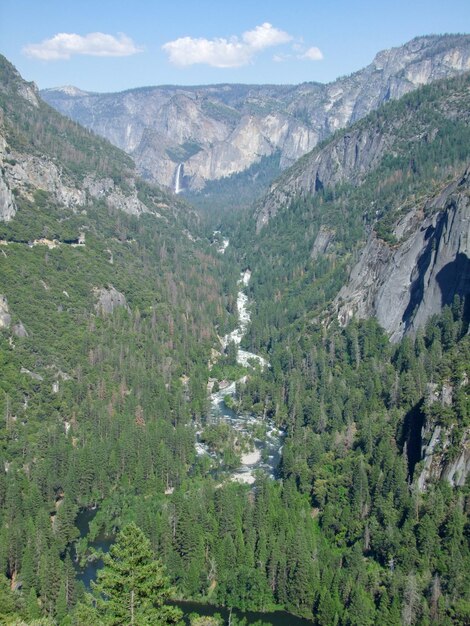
(179, 178)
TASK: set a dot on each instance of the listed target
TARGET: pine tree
(132, 587)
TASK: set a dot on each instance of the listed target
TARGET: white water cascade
(265, 453)
(179, 178)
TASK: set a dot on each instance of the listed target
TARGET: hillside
(109, 306)
(361, 242)
(385, 180)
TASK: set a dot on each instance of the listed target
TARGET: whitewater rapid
(265, 454)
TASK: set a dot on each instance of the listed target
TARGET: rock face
(5, 317)
(403, 285)
(114, 197)
(109, 299)
(19, 330)
(224, 129)
(322, 242)
(7, 202)
(436, 441)
(25, 170)
(347, 158)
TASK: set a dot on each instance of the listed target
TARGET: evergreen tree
(132, 587)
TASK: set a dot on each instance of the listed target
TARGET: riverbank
(253, 618)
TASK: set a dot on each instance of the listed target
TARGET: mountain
(83, 232)
(219, 131)
(373, 226)
(387, 197)
(112, 304)
(403, 285)
(42, 149)
(360, 282)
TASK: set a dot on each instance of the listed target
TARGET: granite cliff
(377, 220)
(217, 131)
(73, 168)
(403, 284)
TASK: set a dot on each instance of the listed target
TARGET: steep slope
(375, 223)
(41, 149)
(72, 200)
(377, 431)
(350, 156)
(403, 285)
(108, 313)
(378, 194)
(217, 131)
(104, 340)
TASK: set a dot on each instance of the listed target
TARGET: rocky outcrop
(348, 158)
(114, 196)
(404, 284)
(32, 375)
(28, 167)
(29, 92)
(108, 299)
(5, 317)
(5, 320)
(223, 129)
(437, 462)
(456, 472)
(7, 202)
(19, 330)
(323, 242)
(24, 173)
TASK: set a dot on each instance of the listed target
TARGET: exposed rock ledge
(436, 439)
(5, 317)
(403, 285)
(22, 173)
(109, 299)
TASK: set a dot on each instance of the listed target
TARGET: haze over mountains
(220, 130)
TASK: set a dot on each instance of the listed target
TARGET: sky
(113, 45)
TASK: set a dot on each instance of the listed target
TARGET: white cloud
(312, 54)
(65, 45)
(215, 52)
(221, 52)
(265, 36)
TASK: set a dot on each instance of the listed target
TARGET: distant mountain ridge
(220, 130)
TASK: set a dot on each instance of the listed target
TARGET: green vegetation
(221, 112)
(290, 285)
(40, 131)
(100, 408)
(221, 201)
(132, 588)
(184, 151)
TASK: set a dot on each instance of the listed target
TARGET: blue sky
(105, 45)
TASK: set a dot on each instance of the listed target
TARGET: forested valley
(110, 332)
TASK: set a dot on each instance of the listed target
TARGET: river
(88, 573)
(265, 455)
